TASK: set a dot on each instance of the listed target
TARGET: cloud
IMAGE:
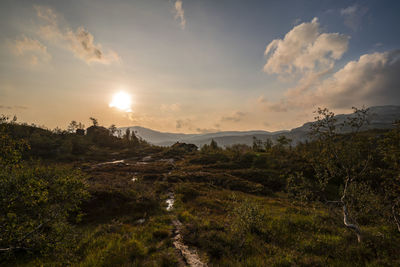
(191, 125)
(5, 107)
(371, 80)
(16, 107)
(267, 106)
(173, 107)
(179, 124)
(304, 49)
(31, 48)
(180, 13)
(353, 16)
(236, 117)
(296, 21)
(187, 123)
(80, 42)
(307, 54)
(46, 13)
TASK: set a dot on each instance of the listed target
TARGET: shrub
(38, 203)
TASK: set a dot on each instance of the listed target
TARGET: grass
(235, 217)
(239, 229)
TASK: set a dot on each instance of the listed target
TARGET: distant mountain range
(380, 117)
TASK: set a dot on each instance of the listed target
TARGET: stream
(189, 255)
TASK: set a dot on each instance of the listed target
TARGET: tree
(10, 149)
(283, 141)
(72, 127)
(268, 144)
(112, 129)
(214, 145)
(36, 202)
(258, 145)
(94, 121)
(128, 134)
(344, 158)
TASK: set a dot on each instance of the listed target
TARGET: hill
(380, 117)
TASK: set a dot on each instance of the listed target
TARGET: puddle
(140, 221)
(147, 158)
(170, 201)
(171, 161)
(111, 162)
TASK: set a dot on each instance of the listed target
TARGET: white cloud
(47, 14)
(351, 10)
(180, 13)
(31, 48)
(353, 16)
(80, 41)
(371, 80)
(304, 49)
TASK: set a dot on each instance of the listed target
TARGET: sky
(196, 66)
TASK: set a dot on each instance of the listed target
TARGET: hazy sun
(121, 101)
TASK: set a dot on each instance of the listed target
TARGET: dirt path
(190, 255)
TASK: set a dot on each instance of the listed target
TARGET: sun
(121, 101)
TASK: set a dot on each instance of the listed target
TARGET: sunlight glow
(121, 101)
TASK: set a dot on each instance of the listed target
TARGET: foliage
(71, 144)
(38, 202)
(270, 204)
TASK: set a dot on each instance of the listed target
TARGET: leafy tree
(344, 158)
(94, 121)
(112, 129)
(72, 127)
(283, 141)
(128, 134)
(258, 145)
(10, 149)
(214, 145)
(36, 202)
(268, 144)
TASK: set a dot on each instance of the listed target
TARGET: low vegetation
(332, 201)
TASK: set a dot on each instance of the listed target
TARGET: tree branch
(396, 220)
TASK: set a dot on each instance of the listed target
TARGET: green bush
(38, 203)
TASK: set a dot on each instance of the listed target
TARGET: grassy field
(239, 206)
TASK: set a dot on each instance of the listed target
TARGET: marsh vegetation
(96, 198)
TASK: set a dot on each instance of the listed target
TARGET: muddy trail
(188, 256)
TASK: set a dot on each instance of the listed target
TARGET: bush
(38, 203)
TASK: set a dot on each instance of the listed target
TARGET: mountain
(167, 139)
(380, 117)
